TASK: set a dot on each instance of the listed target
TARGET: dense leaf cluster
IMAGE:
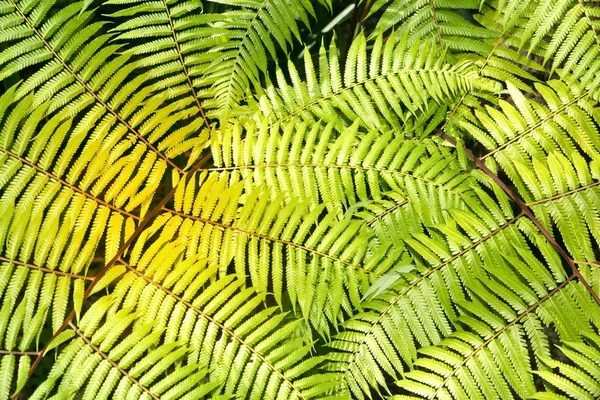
(216, 200)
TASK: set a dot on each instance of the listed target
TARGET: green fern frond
(76, 167)
(580, 378)
(72, 74)
(409, 315)
(499, 345)
(411, 213)
(253, 350)
(430, 18)
(565, 34)
(307, 258)
(138, 366)
(381, 89)
(538, 147)
(216, 57)
(475, 288)
(350, 171)
(170, 56)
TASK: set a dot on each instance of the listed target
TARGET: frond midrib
(563, 195)
(422, 278)
(46, 270)
(74, 188)
(97, 350)
(89, 89)
(362, 83)
(335, 166)
(271, 239)
(217, 323)
(183, 66)
(504, 329)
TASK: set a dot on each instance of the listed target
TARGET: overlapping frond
(166, 53)
(169, 55)
(351, 172)
(306, 257)
(216, 57)
(77, 75)
(446, 21)
(121, 356)
(380, 88)
(418, 309)
(550, 152)
(565, 34)
(475, 286)
(503, 339)
(417, 218)
(78, 167)
(55, 212)
(252, 350)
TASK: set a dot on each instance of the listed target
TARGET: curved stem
(116, 258)
(527, 211)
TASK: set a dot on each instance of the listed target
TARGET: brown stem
(47, 270)
(526, 211)
(19, 353)
(117, 257)
(366, 9)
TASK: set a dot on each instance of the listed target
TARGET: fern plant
(196, 201)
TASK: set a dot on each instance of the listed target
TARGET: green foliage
(195, 202)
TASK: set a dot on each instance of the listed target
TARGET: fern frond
(71, 73)
(466, 281)
(441, 20)
(351, 172)
(139, 366)
(76, 169)
(580, 377)
(221, 55)
(419, 310)
(498, 343)
(306, 257)
(413, 217)
(382, 89)
(170, 55)
(542, 148)
(573, 45)
(253, 350)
